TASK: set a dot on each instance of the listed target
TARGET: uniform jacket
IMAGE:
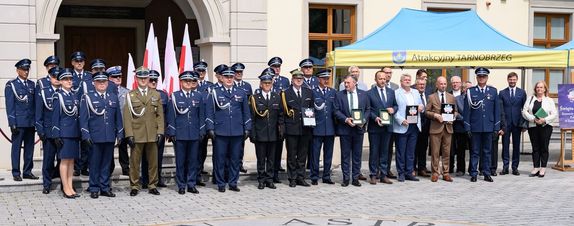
(146, 127)
(186, 116)
(20, 103)
(44, 107)
(483, 113)
(266, 128)
(294, 124)
(65, 116)
(228, 114)
(324, 111)
(245, 86)
(105, 128)
(280, 83)
(311, 82)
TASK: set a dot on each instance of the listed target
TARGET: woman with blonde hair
(540, 111)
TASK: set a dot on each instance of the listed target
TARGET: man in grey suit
(115, 73)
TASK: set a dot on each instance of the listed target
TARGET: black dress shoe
(69, 196)
(534, 175)
(504, 172)
(275, 180)
(281, 170)
(345, 183)
(356, 183)
(234, 188)
(261, 185)
(328, 182)
(94, 195)
(77, 195)
(242, 169)
(31, 177)
(85, 173)
(107, 194)
(271, 185)
(411, 178)
(133, 192)
(493, 173)
(515, 173)
(488, 178)
(200, 183)
(161, 185)
(193, 190)
(473, 179)
(76, 173)
(153, 191)
(17, 178)
(46, 191)
(292, 183)
(221, 189)
(302, 183)
(314, 182)
(181, 191)
(203, 172)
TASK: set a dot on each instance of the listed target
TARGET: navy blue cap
(481, 71)
(52, 60)
(55, 71)
(23, 64)
(306, 63)
(228, 73)
(98, 63)
(325, 73)
(189, 75)
(220, 68)
(153, 74)
(78, 56)
(142, 72)
(267, 74)
(275, 61)
(100, 76)
(65, 73)
(201, 66)
(237, 67)
(114, 71)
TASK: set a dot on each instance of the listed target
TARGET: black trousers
(297, 148)
(420, 160)
(278, 155)
(460, 143)
(390, 157)
(265, 152)
(202, 156)
(494, 153)
(540, 139)
(123, 158)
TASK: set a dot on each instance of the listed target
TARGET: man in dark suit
(349, 104)
(513, 99)
(420, 160)
(461, 140)
(381, 98)
(296, 101)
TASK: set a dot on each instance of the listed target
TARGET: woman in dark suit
(539, 128)
(66, 130)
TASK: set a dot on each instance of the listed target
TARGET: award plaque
(385, 117)
(412, 112)
(357, 116)
(308, 117)
(447, 112)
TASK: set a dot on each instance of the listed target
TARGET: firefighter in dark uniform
(280, 83)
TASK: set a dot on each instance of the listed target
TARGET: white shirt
(512, 91)
(355, 99)
(456, 93)
(383, 93)
(100, 94)
(441, 95)
(142, 91)
(266, 94)
(295, 89)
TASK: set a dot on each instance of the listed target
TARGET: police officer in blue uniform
(80, 75)
(280, 83)
(228, 122)
(218, 70)
(310, 81)
(19, 94)
(218, 84)
(483, 120)
(153, 77)
(101, 125)
(43, 116)
(97, 65)
(66, 130)
(202, 87)
(245, 86)
(324, 131)
(186, 128)
(201, 69)
(115, 76)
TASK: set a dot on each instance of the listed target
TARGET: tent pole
(568, 79)
(522, 84)
(334, 85)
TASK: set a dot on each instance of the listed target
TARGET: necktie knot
(102, 96)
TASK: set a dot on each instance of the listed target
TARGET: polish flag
(147, 61)
(131, 81)
(185, 59)
(155, 65)
(171, 75)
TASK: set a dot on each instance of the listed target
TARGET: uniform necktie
(25, 84)
(324, 91)
(267, 96)
(102, 96)
(298, 93)
(187, 95)
(143, 93)
(423, 99)
(481, 90)
(442, 98)
(229, 91)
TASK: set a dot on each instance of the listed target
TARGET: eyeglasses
(153, 80)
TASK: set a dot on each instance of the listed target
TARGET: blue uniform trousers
(327, 143)
(48, 169)
(481, 147)
(101, 155)
(26, 136)
(351, 150)
(227, 158)
(405, 152)
(379, 153)
(186, 163)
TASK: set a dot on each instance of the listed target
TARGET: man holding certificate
(351, 107)
(441, 110)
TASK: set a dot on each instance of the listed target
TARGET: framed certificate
(308, 117)
(385, 117)
(358, 117)
(447, 112)
(412, 113)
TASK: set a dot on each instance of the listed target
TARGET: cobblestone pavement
(510, 200)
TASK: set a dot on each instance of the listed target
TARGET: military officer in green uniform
(144, 127)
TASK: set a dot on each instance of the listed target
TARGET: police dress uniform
(203, 87)
(66, 129)
(101, 125)
(19, 95)
(310, 82)
(79, 76)
(79, 81)
(228, 118)
(161, 143)
(267, 116)
(483, 120)
(144, 126)
(245, 86)
(324, 132)
(186, 127)
(123, 156)
(44, 108)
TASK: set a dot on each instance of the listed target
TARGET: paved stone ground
(510, 200)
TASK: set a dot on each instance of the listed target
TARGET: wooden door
(110, 44)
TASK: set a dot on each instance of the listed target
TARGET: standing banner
(566, 105)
